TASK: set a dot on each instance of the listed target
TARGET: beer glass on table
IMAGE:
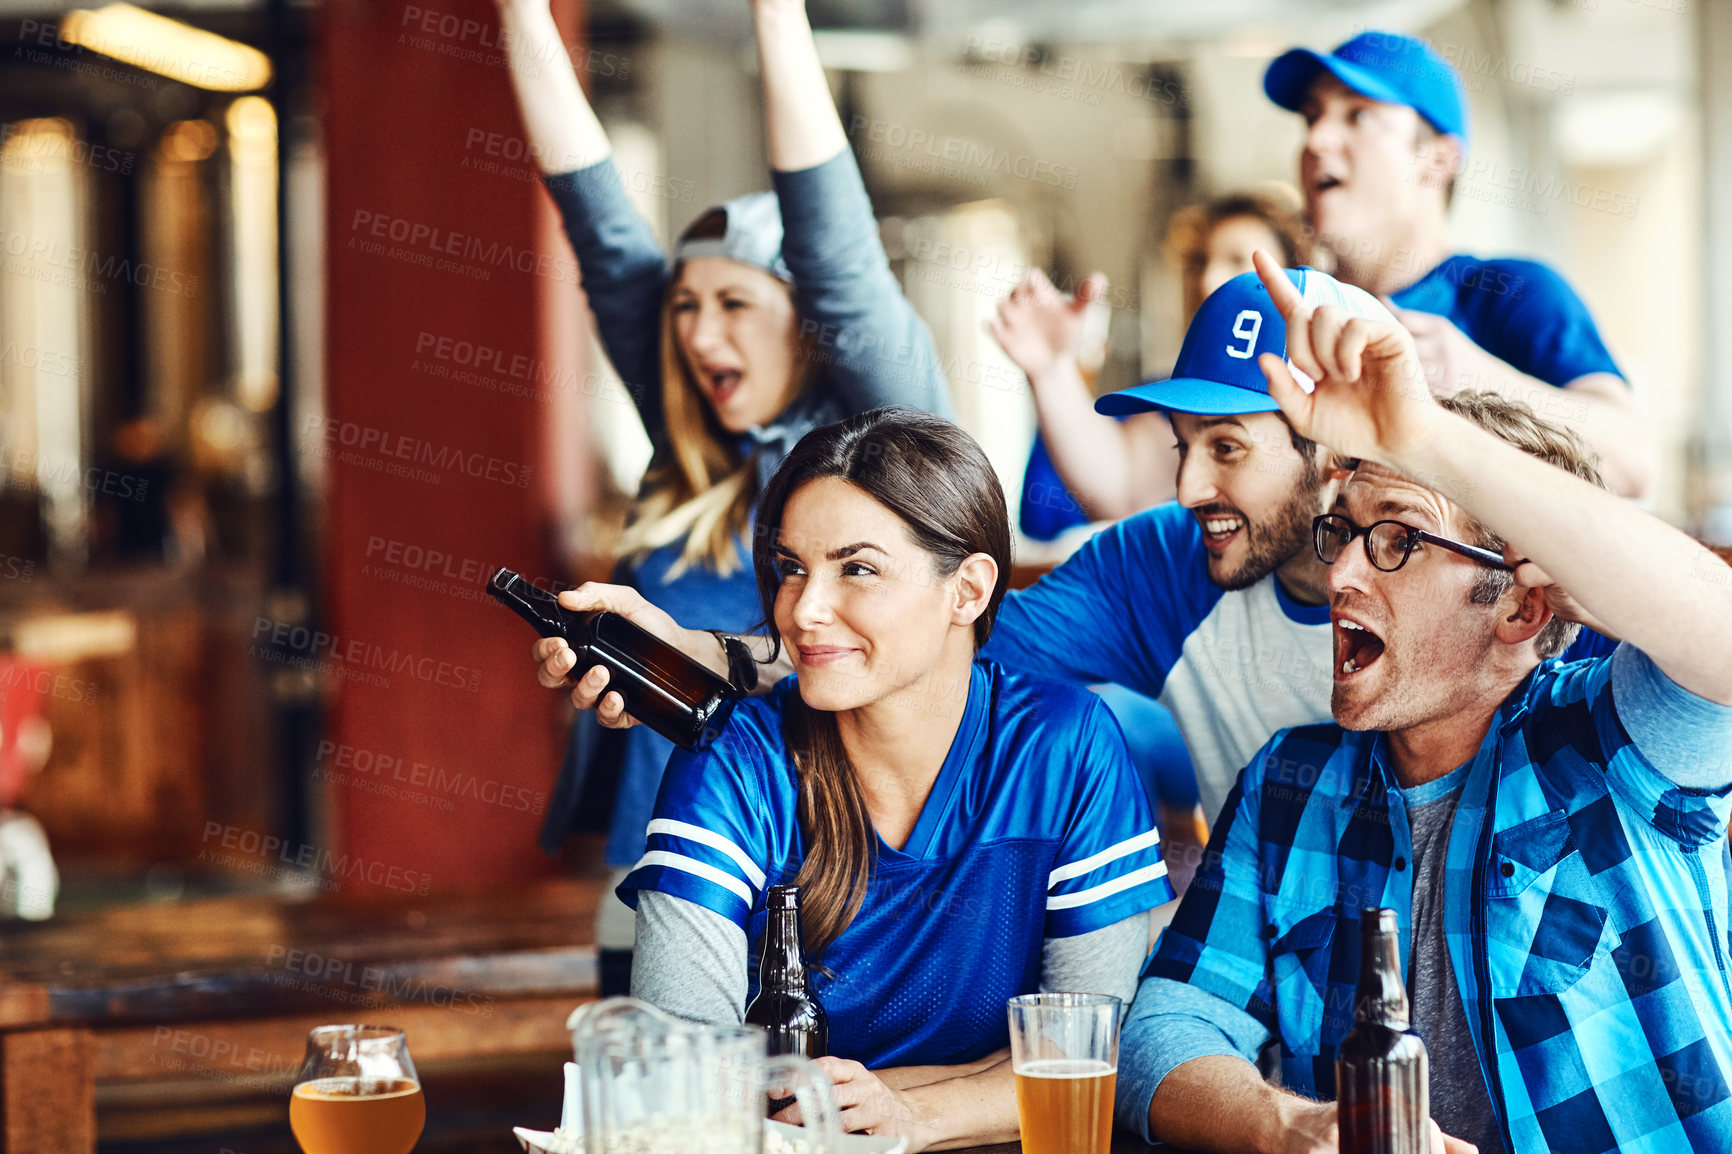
(357, 1093)
(1064, 1051)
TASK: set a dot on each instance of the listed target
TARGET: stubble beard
(1270, 543)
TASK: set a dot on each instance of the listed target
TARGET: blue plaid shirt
(1584, 908)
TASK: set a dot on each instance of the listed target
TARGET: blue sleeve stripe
(660, 878)
(716, 841)
(679, 861)
(1099, 915)
(1106, 890)
(1077, 869)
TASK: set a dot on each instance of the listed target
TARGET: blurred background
(292, 352)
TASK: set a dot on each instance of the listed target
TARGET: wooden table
(218, 995)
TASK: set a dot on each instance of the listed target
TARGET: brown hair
(931, 474)
(1514, 422)
(704, 490)
(1188, 235)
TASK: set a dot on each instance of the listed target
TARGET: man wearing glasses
(1214, 605)
(1551, 835)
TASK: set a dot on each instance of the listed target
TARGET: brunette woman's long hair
(934, 477)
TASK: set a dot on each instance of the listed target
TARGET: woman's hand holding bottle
(554, 658)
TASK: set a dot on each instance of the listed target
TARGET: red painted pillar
(450, 412)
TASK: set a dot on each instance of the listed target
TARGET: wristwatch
(742, 666)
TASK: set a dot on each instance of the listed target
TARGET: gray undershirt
(692, 961)
(1459, 1101)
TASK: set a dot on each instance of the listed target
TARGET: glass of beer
(357, 1093)
(1064, 1051)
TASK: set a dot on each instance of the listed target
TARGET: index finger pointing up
(1288, 299)
(1290, 302)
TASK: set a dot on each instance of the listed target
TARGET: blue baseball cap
(1384, 66)
(1216, 374)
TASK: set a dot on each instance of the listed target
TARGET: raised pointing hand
(1370, 398)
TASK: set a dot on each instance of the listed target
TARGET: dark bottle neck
(1382, 996)
(784, 965)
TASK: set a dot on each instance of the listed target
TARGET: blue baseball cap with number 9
(1216, 373)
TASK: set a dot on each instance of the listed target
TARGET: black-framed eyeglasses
(1388, 544)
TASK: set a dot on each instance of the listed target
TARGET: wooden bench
(202, 1002)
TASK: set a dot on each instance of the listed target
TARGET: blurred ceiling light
(252, 119)
(252, 132)
(189, 140)
(168, 47)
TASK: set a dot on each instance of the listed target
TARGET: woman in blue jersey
(778, 313)
(960, 833)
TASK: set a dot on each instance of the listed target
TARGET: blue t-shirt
(1135, 607)
(1520, 311)
(1048, 506)
(1036, 828)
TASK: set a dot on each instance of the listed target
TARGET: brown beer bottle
(662, 687)
(785, 1005)
(1382, 1079)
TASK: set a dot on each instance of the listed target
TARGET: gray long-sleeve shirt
(872, 348)
(692, 962)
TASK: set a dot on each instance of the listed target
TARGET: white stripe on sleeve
(712, 839)
(1107, 889)
(691, 865)
(1077, 869)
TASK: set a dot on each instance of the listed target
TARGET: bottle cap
(1378, 921)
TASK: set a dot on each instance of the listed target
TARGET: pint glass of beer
(357, 1093)
(1064, 1050)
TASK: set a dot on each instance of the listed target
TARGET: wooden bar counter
(218, 995)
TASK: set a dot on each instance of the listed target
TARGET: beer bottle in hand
(1382, 1080)
(785, 1005)
(661, 687)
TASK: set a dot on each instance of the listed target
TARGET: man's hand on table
(1312, 1128)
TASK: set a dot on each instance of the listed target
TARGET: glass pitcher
(654, 1084)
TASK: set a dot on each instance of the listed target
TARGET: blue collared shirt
(1585, 912)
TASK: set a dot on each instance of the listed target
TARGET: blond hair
(703, 492)
(1517, 424)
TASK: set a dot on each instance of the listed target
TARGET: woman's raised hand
(800, 121)
(562, 129)
(1037, 325)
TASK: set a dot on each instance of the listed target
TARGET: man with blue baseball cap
(1214, 605)
(1386, 129)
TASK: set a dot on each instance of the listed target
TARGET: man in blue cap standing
(1386, 129)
